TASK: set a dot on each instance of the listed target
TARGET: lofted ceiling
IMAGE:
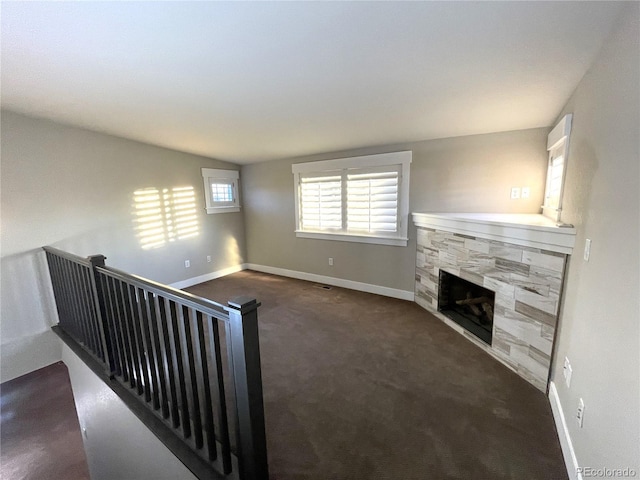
(254, 81)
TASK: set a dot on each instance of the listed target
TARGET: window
(558, 147)
(221, 190)
(359, 199)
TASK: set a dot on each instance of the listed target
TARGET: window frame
(212, 176)
(398, 160)
(557, 147)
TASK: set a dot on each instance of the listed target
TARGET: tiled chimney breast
(527, 281)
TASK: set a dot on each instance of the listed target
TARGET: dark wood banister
(212, 308)
(89, 310)
(193, 301)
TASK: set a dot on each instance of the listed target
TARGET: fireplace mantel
(526, 229)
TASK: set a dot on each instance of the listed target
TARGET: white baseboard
(311, 277)
(337, 282)
(570, 459)
(189, 282)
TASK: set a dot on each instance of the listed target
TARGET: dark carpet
(40, 436)
(360, 386)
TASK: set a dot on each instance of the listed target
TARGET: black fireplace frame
(447, 306)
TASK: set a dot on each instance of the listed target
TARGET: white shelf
(530, 230)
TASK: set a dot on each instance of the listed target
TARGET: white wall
(463, 174)
(117, 444)
(73, 189)
(599, 329)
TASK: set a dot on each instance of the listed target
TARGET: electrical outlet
(331, 261)
(567, 371)
(587, 249)
(187, 264)
(208, 258)
(580, 413)
(526, 192)
(515, 193)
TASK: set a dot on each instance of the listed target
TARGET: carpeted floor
(359, 386)
(40, 435)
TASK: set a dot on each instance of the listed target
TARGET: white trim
(570, 459)
(337, 282)
(220, 173)
(310, 277)
(529, 230)
(560, 132)
(349, 237)
(189, 282)
(381, 159)
(231, 177)
(222, 209)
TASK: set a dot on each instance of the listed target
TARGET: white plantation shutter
(372, 200)
(369, 205)
(359, 199)
(554, 178)
(321, 202)
(558, 148)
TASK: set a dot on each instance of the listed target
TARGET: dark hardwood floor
(40, 436)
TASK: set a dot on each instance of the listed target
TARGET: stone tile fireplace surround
(522, 258)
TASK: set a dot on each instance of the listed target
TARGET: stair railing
(184, 364)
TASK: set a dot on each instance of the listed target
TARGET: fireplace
(519, 258)
(469, 305)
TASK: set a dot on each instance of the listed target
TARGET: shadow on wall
(28, 306)
(578, 188)
(27, 312)
(162, 216)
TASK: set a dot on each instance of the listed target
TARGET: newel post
(98, 292)
(245, 354)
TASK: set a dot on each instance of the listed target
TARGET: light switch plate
(567, 371)
(580, 413)
(587, 249)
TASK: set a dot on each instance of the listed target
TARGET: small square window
(221, 187)
(222, 192)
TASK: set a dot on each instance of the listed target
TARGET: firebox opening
(467, 304)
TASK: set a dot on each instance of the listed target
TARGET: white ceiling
(246, 82)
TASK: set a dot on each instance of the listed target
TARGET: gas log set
(481, 307)
(467, 304)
